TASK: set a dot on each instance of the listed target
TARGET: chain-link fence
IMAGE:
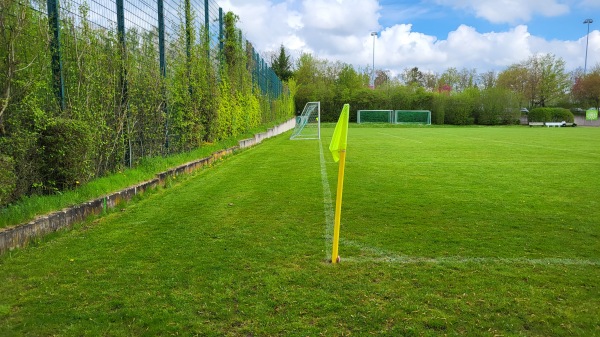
(130, 78)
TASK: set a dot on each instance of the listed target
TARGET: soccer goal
(374, 116)
(412, 117)
(308, 124)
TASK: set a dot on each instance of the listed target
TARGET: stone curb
(20, 235)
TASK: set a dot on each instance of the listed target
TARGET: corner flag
(338, 151)
(340, 134)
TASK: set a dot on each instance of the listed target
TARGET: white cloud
(400, 48)
(509, 11)
(340, 17)
(590, 3)
(268, 24)
(339, 30)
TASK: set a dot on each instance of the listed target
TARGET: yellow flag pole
(335, 258)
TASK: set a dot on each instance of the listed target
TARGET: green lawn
(458, 231)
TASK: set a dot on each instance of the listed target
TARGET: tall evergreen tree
(281, 65)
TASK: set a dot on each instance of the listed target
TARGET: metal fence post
(163, 65)
(161, 38)
(57, 68)
(207, 28)
(188, 43)
(220, 35)
(121, 38)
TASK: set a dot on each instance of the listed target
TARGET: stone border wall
(19, 235)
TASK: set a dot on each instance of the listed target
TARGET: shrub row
(550, 115)
(473, 106)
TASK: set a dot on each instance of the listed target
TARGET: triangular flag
(340, 134)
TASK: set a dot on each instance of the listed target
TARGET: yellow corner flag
(338, 151)
(340, 134)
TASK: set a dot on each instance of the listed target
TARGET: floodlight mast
(587, 40)
(374, 35)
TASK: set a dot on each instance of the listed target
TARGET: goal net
(308, 124)
(374, 116)
(412, 117)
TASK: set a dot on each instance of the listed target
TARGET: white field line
(404, 138)
(327, 204)
(390, 257)
(486, 163)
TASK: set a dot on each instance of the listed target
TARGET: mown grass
(27, 208)
(445, 231)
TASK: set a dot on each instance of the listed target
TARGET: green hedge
(550, 115)
(8, 179)
(65, 145)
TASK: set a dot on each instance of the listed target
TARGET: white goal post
(412, 117)
(308, 124)
(374, 116)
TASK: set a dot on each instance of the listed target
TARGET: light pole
(373, 34)
(587, 39)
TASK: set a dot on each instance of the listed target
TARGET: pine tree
(281, 65)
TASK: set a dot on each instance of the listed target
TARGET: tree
(488, 79)
(552, 79)
(381, 77)
(413, 77)
(587, 88)
(541, 80)
(349, 80)
(514, 79)
(430, 81)
(466, 79)
(281, 64)
(449, 78)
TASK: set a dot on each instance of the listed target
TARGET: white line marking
(390, 257)
(390, 135)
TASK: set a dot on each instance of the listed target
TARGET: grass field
(490, 231)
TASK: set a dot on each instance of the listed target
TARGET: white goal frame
(360, 114)
(309, 119)
(425, 113)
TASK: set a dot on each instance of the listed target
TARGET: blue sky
(430, 34)
(437, 19)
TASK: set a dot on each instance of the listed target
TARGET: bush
(459, 111)
(65, 144)
(560, 115)
(539, 115)
(550, 115)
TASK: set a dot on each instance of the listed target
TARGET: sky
(433, 35)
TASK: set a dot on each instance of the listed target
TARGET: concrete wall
(258, 138)
(580, 121)
(20, 235)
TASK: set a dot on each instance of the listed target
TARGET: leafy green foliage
(540, 81)
(586, 89)
(539, 115)
(65, 146)
(8, 178)
(550, 115)
(132, 106)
